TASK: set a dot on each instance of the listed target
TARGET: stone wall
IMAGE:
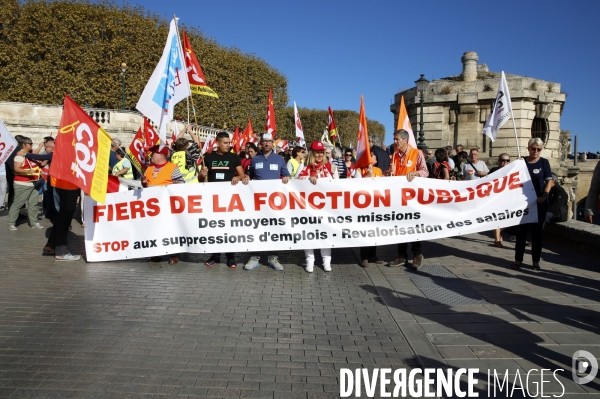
(40, 120)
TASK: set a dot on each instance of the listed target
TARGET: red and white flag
(235, 140)
(270, 125)
(208, 144)
(331, 127)
(298, 124)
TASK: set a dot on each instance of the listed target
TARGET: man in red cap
(162, 173)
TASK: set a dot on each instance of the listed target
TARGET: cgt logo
(584, 363)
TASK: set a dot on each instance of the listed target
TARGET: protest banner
(8, 144)
(260, 216)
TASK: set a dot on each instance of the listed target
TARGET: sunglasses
(535, 149)
(505, 160)
(348, 155)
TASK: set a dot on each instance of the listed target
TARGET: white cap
(267, 136)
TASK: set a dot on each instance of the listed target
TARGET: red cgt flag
(332, 128)
(81, 152)
(195, 75)
(235, 140)
(142, 141)
(270, 125)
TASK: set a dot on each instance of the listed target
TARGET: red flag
(285, 145)
(332, 128)
(195, 75)
(150, 136)
(270, 125)
(249, 133)
(81, 152)
(235, 140)
(363, 154)
(137, 152)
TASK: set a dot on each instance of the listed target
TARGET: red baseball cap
(317, 146)
(158, 150)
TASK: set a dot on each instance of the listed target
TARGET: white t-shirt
(3, 170)
(470, 174)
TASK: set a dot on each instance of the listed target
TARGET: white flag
(500, 111)
(299, 131)
(167, 86)
(8, 144)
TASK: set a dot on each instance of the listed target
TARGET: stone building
(456, 107)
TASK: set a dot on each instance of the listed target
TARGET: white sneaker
(37, 226)
(327, 263)
(310, 267)
(12, 227)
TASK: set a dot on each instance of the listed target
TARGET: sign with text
(263, 215)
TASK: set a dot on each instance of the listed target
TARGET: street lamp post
(123, 69)
(422, 84)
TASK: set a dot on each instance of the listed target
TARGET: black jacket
(559, 203)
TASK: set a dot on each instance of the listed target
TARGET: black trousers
(368, 253)
(60, 229)
(536, 236)
(403, 248)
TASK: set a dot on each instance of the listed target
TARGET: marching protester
(267, 166)
(329, 158)
(162, 173)
(456, 158)
(338, 161)
(558, 203)
(223, 166)
(441, 168)
(27, 182)
(123, 166)
(503, 160)
(541, 177)
(296, 162)
(316, 168)
(351, 171)
(409, 162)
(10, 170)
(429, 159)
(57, 241)
(383, 162)
(114, 147)
(450, 160)
(251, 152)
(184, 161)
(460, 162)
(369, 254)
(49, 196)
(474, 168)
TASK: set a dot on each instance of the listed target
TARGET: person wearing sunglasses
(350, 163)
(541, 177)
(503, 160)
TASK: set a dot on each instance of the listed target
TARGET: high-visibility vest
(295, 165)
(190, 176)
(409, 164)
(119, 167)
(163, 177)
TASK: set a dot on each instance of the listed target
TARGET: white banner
(266, 215)
(7, 144)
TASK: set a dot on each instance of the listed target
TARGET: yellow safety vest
(119, 167)
(190, 176)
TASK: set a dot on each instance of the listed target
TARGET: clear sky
(332, 51)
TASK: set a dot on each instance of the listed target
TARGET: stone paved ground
(133, 329)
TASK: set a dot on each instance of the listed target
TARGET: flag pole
(515, 128)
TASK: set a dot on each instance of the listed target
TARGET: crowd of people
(183, 162)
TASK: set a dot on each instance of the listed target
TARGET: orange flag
(81, 152)
(270, 125)
(363, 154)
(195, 75)
(404, 123)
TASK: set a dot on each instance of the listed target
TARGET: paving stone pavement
(134, 329)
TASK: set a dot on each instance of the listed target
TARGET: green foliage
(49, 48)
(52, 48)
(314, 122)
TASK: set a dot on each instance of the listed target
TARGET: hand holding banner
(7, 144)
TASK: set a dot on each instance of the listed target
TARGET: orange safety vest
(65, 185)
(163, 177)
(409, 164)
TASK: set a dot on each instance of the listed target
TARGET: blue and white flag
(167, 86)
(500, 111)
